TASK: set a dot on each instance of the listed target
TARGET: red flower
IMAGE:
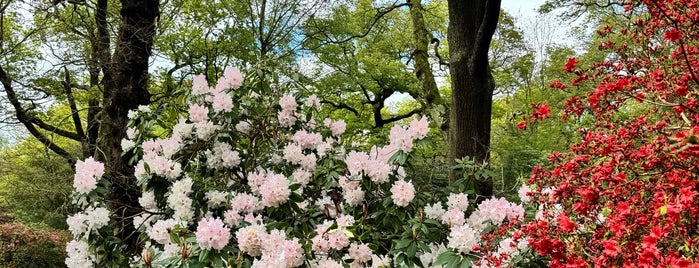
(557, 84)
(565, 224)
(543, 111)
(522, 125)
(673, 35)
(610, 248)
(570, 65)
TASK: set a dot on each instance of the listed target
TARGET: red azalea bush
(626, 194)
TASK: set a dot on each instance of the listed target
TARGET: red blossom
(565, 224)
(673, 35)
(570, 65)
(557, 84)
(522, 125)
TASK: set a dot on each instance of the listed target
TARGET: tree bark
(125, 88)
(472, 24)
(423, 69)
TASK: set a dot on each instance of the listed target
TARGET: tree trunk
(423, 69)
(125, 88)
(472, 24)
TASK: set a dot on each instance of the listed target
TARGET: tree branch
(341, 106)
(22, 117)
(73, 108)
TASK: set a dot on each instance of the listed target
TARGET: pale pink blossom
(419, 128)
(338, 240)
(353, 197)
(77, 224)
(87, 174)
(293, 153)
(453, 217)
(245, 203)
(336, 127)
(308, 162)
(523, 193)
(199, 85)
(435, 211)
(327, 263)
(256, 179)
(231, 79)
(307, 140)
(359, 252)
(401, 139)
(275, 191)
(288, 103)
(222, 102)
(463, 238)
(212, 234)
(313, 101)
(205, 129)
(301, 176)
(457, 201)
(402, 192)
(198, 113)
(250, 239)
(232, 217)
(286, 118)
(160, 232)
(215, 198)
(345, 220)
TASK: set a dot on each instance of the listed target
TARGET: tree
(373, 58)
(123, 83)
(471, 28)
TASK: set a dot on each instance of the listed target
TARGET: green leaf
(444, 258)
(204, 254)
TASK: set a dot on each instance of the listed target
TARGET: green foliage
(35, 184)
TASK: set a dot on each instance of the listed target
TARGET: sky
(526, 7)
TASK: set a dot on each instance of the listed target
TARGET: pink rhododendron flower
(250, 239)
(434, 211)
(419, 128)
(198, 113)
(199, 85)
(463, 238)
(336, 127)
(402, 192)
(401, 138)
(288, 103)
(87, 173)
(222, 102)
(160, 232)
(313, 101)
(307, 140)
(275, 190)
(243, 127)
(457, 201)
(453, 217)
(211, 234)
(231, 79)
(361, 253)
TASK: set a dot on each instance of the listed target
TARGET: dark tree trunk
(125, 88)
(472, 24)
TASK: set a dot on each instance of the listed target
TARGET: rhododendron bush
(250, 179)
(626, 194)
